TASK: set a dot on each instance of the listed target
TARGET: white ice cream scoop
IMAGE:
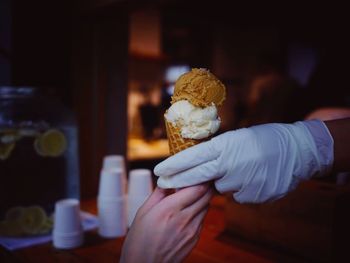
(194, 122)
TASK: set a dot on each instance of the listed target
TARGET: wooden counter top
(214, 245)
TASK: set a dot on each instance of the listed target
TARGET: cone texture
(175, 140)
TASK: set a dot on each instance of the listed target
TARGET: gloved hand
(259, 163)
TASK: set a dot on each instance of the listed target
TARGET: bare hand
(167, 227)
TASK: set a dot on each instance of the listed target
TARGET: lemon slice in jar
(32, 220)
(52, 143)
(47, 227)
(11, 226)
(14, 213)
(6, 150)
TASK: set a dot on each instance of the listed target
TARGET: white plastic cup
(140, 183)
(111, 162)
(111, 183)
(140, 188)
(112, 210)
(70, 242)
(67, 231)
(112, 216)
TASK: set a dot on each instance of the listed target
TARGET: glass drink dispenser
(38, 160)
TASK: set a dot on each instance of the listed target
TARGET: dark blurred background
(114, 64)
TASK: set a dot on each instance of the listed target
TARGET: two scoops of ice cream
(193, 114)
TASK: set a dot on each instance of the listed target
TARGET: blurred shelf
(139, 149)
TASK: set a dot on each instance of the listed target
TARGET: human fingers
(203, 203)
(186, 159)
(185, 197)
(157, 195)
(197, 220)
(196, 175)
(192, 235)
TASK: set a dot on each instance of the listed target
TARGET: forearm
(340, 131)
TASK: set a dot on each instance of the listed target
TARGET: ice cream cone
(193, 113)
(175, 140)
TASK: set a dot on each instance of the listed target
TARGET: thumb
(186, 159)
(202, 173)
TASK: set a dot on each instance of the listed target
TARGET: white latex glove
(167, 227)
(259, 163)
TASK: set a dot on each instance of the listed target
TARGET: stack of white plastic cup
(140, 188)
(116, 161)
(111, 203)
(67, 231)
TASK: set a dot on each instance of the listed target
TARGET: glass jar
(38, 160)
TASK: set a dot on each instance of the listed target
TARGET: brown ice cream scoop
(200, 87)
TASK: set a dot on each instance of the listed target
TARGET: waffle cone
(175, 140)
